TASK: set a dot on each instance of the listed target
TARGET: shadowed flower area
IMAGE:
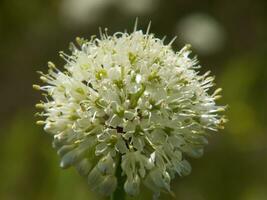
(230, 42)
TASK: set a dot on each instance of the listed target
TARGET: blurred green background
(230, 40)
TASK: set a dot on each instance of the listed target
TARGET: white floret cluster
(128, 102)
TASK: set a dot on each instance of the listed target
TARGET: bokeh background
(229, 38)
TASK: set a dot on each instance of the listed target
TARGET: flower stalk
(119, 193)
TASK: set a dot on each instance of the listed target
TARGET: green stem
(119, 193)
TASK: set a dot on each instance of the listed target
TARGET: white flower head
(129, 102)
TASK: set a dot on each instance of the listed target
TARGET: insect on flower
(128, 102)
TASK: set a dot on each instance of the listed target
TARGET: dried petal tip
(51, 65)
(41, 123)
(39, 106)
(36, 87)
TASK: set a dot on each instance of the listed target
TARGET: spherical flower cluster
(128, 102)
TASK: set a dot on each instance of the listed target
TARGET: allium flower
(128, 102)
